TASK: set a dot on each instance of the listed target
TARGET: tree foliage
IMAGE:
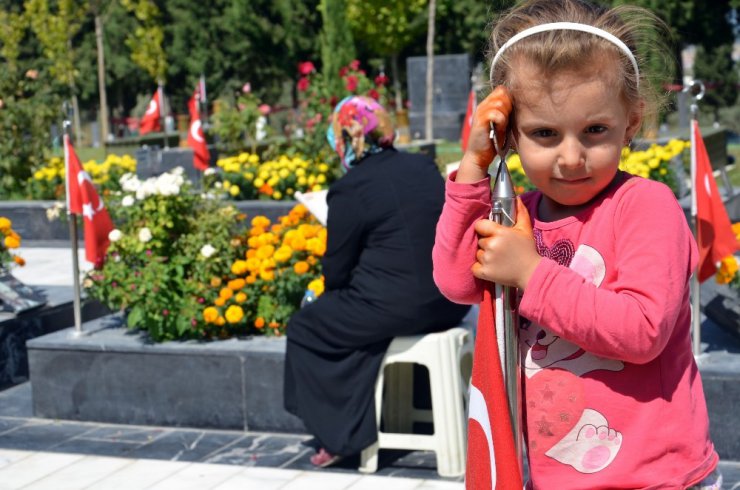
(337, 44)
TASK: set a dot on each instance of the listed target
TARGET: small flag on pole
(196, 138)
(151, 121)
(82, 198)
(714, 233)
(492, 461)
(468, 121)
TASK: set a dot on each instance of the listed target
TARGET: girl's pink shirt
(605, 336)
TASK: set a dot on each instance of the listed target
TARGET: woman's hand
(506, 255)
(480, 152)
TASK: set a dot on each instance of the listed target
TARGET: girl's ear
(634, 121)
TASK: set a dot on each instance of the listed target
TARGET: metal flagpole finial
(696, 90)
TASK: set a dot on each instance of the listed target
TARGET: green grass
(734, 173)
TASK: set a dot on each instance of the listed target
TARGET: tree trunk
(101, 79)
(396, 82)
(428, 128)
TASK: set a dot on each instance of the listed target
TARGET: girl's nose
(572, 153)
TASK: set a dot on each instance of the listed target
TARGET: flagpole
(696, 91)
(72, 218)
(162, 113)
(507, 322)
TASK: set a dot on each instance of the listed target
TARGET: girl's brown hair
(560, 50)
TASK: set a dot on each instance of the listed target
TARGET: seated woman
(378, 275)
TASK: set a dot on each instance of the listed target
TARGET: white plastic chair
(448, 355)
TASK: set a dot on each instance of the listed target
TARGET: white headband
(568, 26)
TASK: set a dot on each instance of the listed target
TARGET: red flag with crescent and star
(492, 461)
(82, 198)
(196, 138)
(151, 119)
(714, 233)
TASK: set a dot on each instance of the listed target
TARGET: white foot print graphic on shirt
(590, 445)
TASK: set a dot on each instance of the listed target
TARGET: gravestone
(152, 161)
(451, 89)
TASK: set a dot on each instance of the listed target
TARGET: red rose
(303, 84)
(355, 64)
(374, 94)
(343, 71)
(351, 83)
(381, 80)
(306, 68)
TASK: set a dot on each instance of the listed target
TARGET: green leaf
(135, 316)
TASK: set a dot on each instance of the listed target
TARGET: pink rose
(247, 87)
(355, 64)
(305, 68)
(264, 109)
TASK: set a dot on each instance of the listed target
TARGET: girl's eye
(596, 129)
(543, 133)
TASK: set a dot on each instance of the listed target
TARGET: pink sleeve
(634, 316)
(456, 242)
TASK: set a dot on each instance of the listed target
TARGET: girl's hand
(478, 156)
(506, 255)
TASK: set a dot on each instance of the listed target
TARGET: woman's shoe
(322, 458)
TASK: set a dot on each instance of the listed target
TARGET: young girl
(612, 395)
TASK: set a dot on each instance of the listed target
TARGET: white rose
(207, 250)
(115, 235)
(128, 200)
(145, 235)
(209, 171)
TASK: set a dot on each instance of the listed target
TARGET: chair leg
(369, 459)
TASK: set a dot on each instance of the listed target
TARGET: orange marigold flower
(728, 268)
(298, 242)
(12, 242)
(301, 267)
(240, 297)
(267, 275)
(274, 325)
(317, 286)
(251, 279)
(283, 253)
(220, 321)
(265, 251)
(215, 282)
(266, 189)
(236, 284)
(19, 260)
(225, 293)
(259, 322)
(251, 253)
(5, 224)
(260, 221)
(219, 301)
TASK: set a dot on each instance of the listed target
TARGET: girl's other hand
(480, 152)
(506, 255)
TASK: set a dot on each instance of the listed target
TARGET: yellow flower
(267, 274)
(234, 190)
(5, 224)
(317, 286)
(234, 314)
(265, 251)
(240, 297)
(301, 267)
(239, 268)
(210, 314)
(283, 254)
(215, 282)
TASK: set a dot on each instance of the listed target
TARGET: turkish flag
(468, 121)
(714, 233)
(151, 119)
(82, 198)
(196, 138)
(492, 461)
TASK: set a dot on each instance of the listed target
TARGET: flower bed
(181, 266)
